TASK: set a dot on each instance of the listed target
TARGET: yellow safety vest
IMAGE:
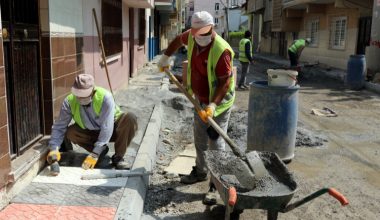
(217, 48)
(97, 103)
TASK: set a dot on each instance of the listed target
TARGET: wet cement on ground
(348, 161)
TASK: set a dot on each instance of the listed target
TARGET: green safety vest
(217, 48)
(296, 45)
(242, 56)
(97, 103)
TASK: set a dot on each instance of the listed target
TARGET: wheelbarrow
(272, 193)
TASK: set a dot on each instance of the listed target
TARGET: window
(142, 26)
(112, 34)
(216, 21)
(234, 2)
(216, 6)
(312, 32)
(338, 33)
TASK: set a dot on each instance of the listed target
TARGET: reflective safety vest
(219, 45)
(97, 103)
(297, 45)
(242, 56)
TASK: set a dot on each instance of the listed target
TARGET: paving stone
(72, 175)
(32, 211)
(65, 194)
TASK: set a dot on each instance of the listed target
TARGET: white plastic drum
(280, 77)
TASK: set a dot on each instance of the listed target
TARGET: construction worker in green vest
(210, 80)
(295, 50)
(245, 58)
(98, 120)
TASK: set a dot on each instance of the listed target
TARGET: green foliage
(234, 34)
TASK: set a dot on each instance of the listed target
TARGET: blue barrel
(356, 68)
(272, 119)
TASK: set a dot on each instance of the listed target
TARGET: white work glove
(163, 63)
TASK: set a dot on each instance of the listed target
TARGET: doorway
(364, 34)
(20, 23)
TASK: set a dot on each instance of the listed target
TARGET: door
(22, 73)
(131, 42)
(283, 50)
(364, 34)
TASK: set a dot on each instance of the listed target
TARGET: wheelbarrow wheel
(235, 215)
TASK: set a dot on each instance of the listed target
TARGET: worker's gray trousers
(243, 74)
(203, 142)
(125, 129)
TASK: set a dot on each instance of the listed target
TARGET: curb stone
(132, 201)
(131, 204)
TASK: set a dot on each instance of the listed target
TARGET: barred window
(312, 32)
(112, 33)
(338, 29)
(216, 6)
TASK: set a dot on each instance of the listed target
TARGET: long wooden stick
(211, 121)
(102, 49)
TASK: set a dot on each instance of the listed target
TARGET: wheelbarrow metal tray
(271, 193)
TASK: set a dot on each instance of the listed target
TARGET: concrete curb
(132, 201)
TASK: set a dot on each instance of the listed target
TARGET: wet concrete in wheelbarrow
(225, 166)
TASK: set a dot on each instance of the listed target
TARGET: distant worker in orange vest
(296, 49)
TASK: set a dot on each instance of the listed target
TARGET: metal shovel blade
(256, 165)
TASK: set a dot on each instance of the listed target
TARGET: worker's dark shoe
(103, 153)
(119, 163)
(245, 86)
(194, 177)
(54, 169)
(210, 197)
(242, 88)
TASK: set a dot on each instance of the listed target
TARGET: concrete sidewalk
(68, 197)
(330, 72)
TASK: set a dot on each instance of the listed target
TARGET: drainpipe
(373, 51)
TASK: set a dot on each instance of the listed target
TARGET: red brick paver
(50, 212)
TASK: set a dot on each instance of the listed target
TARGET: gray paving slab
(64, 194)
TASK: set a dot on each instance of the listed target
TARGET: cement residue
(307, 138)
(238, 125)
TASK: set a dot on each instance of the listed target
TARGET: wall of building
(209, 6)
(323, 53)
(65, 32)
(119, 68)
(236, 19)
(5, 160)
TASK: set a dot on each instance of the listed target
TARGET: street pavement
(69, 197)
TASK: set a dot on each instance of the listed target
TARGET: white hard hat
(201, 22)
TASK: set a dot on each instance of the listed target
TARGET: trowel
(251, 165)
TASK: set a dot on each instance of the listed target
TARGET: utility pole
(226, 11)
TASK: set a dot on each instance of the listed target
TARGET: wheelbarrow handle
(232, 196)
(333, 192)
(339, 196)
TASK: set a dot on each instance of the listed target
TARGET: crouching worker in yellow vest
(98, 120)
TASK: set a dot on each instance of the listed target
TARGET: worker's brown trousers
(124, 130)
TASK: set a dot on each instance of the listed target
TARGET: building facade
(44, 44)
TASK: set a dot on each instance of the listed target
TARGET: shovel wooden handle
(235, 149)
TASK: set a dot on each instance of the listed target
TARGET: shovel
(252, 168)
